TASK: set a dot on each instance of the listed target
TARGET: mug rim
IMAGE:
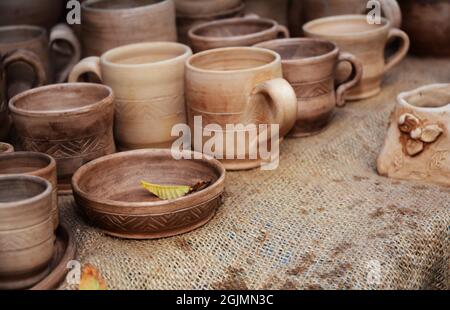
(125, 48)
(402, 97)
(26, 178)
(40, 32)
(97, 105)
(50, 165)
(190, 66)
(228, 21)
(297, 41)
(386, 24)
(86, 6)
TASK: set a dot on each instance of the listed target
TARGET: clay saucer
(65, 251)
(109, 193)
(6, 148)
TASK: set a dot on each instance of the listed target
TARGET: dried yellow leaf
(166, 192)
(91, 279)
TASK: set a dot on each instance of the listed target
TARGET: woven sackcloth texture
(323, 220)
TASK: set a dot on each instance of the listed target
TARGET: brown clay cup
(368, 42)
(239, 31)
(107, 24)
(26, 230)
(37, 164)
(237, 85)
(309, 65)
(71, 122)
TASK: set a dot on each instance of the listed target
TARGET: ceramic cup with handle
(148, 83)
(239, 31)
(38, 48)
(368, 42)
(107, 24)
(309, 66)
(72, 122)
(26, 230)
(237, 85)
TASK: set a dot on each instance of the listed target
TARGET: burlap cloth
(323, 219)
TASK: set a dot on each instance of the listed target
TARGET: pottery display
(238, 85)
(239, 31)
(6, 148)
(34, 41)
(37, 164)
(309, 66)
(43, 13)
(111, 23)
(109, 193)
(148, 83)
(26, 230)
(367, 42)
(64, 251)
(417, 145)
(186, 21)
(71, 122)
(427, 23)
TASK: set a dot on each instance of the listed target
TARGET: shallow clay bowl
(6, 148)
(109, 193)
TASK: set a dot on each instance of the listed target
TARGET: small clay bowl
(37, 164)
(26, 230)
(108, 191)
(6, 148)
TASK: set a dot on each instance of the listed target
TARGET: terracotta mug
(239, 31)
(37, 164)
(186, 21)
(107, 24)
(148, 83)
(38, 46)
(26, 230)
(309, 66)
(238, 85)
(6, 148)
(367, 42)
(73, 123)
(417, 145)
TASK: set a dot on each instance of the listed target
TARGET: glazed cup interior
(232, 28)
(344, 25)
(428, 97)
(16, 34)
(232, 59)
(15, 189)
(23, 162)
(60, 98)
(118, 4)
(118, 177)
(145, 54)
(296, 49)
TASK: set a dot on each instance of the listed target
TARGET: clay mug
(106, 24)
(6, 148)
(71, 122)
(37, 164)
(237, 85)
(43, 13)
(26, 230)
(239, 31)
(309, 66)
(353, 34)
(417, 145)
(186, 21)
(38, 47)
(427, 22)
(148, 83)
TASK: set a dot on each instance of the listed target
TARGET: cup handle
(62, 32)
(281, 96)
(402, 51)
(391, 10)
(29, 58)
(283, 32)
(87, 65)
(354, 78)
